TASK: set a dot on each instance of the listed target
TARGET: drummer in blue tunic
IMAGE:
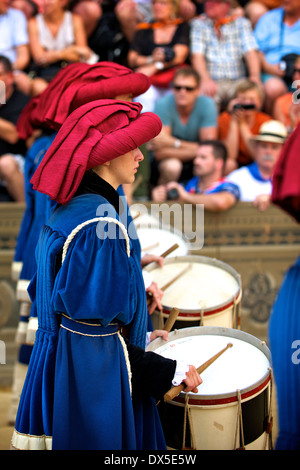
(88, 386)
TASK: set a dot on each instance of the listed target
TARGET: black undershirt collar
(93, 183)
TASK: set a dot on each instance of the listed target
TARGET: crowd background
(219, 71)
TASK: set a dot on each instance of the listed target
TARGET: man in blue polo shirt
(188, 118)
(208, 186)
(255, 180)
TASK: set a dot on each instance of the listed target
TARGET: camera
(245, 106)
(172, 194)
(169, 54)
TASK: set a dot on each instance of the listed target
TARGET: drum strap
(187, 415)
(239, 425)
(270, 417)
(239, 422)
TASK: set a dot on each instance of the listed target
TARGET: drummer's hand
(159, 333)
(192, 380)
(155, 295)
(148, 258)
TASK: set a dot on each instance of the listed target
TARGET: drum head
(157, 240)
(245, 366)
(207, 284)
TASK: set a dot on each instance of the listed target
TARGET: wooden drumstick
(176, 277)
(149, 300)
(171, 319)
(170, 250)
(174, 391)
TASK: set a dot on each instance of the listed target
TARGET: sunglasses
(296, 71)
(182, 87)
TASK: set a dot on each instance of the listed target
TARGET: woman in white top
(56, 37)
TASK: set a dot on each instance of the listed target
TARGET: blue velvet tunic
(284, 334)
(77, 390)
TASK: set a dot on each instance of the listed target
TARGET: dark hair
(6, 63)
(187, 71)
(219, 149)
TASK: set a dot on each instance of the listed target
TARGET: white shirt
(250, 183)
(13, 27)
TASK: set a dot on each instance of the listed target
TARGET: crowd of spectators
(220, 71)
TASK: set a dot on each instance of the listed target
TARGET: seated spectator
(56, 37)
(158, 48)
(255, 180)
(240, 122)
(12, 149)
(223, 50)
(254, 9)
(187, 119)
(208, 186)
(29, 7)
(286, 107)
(277, 34)
(14, 42)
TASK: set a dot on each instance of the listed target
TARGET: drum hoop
(204, 311)
(212, 262)
(228, 398)
(177, 233)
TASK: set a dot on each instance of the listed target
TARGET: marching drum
(232, 409)
(156, 240)
(207, 291)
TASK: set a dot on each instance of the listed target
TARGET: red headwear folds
(95, 133)
(74, 86)
(286, 177)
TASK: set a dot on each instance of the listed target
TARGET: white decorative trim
(33, 325)
(21, 290)
(21, 441)
(96, 219)
(127, 360)
(16, 268)
(87, 334)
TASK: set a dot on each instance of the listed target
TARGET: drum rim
(166, 229)
(195, 313)
(222, 398)
(227, 398)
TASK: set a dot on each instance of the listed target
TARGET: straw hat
(271, 131)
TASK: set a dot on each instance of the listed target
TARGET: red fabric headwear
(74, 86)
(286, 177)
(95, 133)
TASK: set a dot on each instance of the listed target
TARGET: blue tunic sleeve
(96, 279)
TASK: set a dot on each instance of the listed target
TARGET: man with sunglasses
(187, 118)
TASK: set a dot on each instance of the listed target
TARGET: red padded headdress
(93, 134)
(286, 176)
(74, 86)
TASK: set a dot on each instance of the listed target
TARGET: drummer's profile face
(204, 161)
(121, 170)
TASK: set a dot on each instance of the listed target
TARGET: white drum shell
(214, 420)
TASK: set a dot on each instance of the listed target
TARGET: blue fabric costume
(30, 226)
(284, 335)
(79, 376)
(37, 211)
